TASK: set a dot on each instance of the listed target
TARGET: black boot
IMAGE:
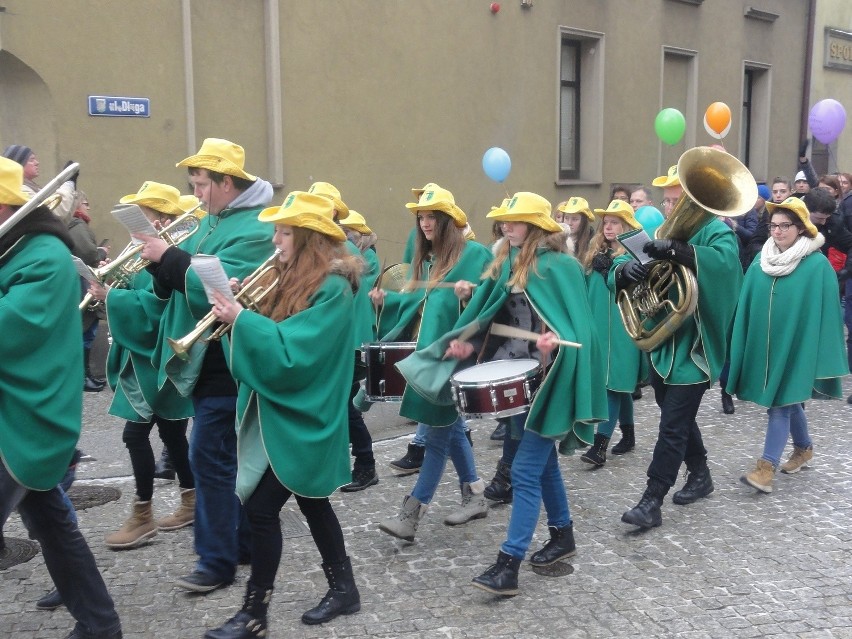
(163, 469)
(646, 514)
(502, 577)
(90, 383)
(469, 437)
(500, 488)
(597, 453)
(248, 623)
(362, 477)
(627, 441)
(499, 433)
(342, 597)
(411, 461)
(698, 484)
(51, 601)
(727, 403)
(560, 546)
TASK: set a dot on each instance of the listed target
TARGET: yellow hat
(11, 180)
(527, 207)
(670, 179)
(435, 198)
(797, 208)
(620, 209)
(221, 156)
(160, 197)
(188, 203)
(330, 191)
(576, 205)
(307, 211)
(418, 192)
(356, 222)
(468, 233)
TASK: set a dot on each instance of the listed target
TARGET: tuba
(714, 183)
(45, 196)
(119, 272)
(250, 296)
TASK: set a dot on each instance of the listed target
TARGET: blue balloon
(496, 164)
(650, 218)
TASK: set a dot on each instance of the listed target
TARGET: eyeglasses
(670, 201)
(783, 227)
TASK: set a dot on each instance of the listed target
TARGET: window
(569, 109)
(754, 127)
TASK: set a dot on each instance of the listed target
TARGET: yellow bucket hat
(160, 197)
(527, 207)
(576, 205)
(11, 180)
(670, 179)
(356, 222)
(221, 156)
(188, 202)
(621, 209)
(797, 208)
(418, 192)
(435, 198)
(306, 210)
(330, 191)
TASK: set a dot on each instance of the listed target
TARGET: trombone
(120, 271)
(250, 296)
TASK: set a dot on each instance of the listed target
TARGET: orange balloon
(718, 116)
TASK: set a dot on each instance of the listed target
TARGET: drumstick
(428, 284)
(510, 331)
(471, 330)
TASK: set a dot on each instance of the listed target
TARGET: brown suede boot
(798, 459)
(138, 528)
(184, 515)
(761, 477)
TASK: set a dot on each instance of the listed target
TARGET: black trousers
(137, 439)
(679, 439)
(264, 508)
(359, 436)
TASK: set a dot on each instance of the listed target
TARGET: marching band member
(423, 313)
(576, 213)
(232, 232)
(134, 313)
(292, 424)
(624, 365)
(536, 286)
(787, 338)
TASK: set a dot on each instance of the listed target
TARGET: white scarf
(777, 264)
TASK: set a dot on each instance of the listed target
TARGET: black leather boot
(362, 477)
(411, 461)
(91, 384)
(698, 484)
(500, 488)
(342, 597)
(560, 546)
(502, 577)
(727, 403)
(646, 514)
(627, 441)
(248, 623)
(597, 453)
(164, 469)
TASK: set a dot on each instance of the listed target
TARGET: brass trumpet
(119, 272)
(250, 296)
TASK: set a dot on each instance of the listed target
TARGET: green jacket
(242, 243)
(787, 340)
(133, 314)
(697, 350)
(440, 310)
(572, 397)
(294, 379)
(41, 360)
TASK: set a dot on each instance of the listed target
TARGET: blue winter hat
(763, 192)
(18, 152)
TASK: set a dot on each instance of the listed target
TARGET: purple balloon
(826, 120)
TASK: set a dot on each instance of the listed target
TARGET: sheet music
(132, 217)
(633, 241)
(209, 270)
(83, 270)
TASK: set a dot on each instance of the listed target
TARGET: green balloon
(670, 125)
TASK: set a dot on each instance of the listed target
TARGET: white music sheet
(633, 241)
(83, 270)
(134, 220)
(212, 275)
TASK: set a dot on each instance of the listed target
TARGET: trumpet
(119, 272)
(250, 296)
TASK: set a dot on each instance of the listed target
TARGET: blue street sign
(119, 107)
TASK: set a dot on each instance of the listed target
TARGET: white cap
(800, 176)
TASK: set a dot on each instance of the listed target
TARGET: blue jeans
(420, 435)
(783, 422)
(219, 534)
(536, 478)
(443, 442)
(66, 554)
(620, 411)
(512, 439)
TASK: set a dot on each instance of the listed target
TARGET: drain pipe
(188, 76)
(273, 93)
(806, 80)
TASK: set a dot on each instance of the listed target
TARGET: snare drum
(496, 389)
(385, 383)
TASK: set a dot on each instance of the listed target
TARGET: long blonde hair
(599, 244)
(446, 247)
(525, 260)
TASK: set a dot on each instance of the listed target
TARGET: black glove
(629, 272)
(74, 177)
(677, 250)
(803, 148)
(601, 263)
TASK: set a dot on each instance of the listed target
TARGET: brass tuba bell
(714, 183)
